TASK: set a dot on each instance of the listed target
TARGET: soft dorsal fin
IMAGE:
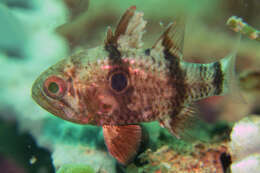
(129, 31)
(172, 39)
(123, 141)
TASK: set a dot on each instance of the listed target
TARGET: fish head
(85, 89)
(54, 91)
(113, 84)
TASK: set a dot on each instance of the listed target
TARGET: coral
(17, 76)
(247, 128)
(240, 154)
(78, 154)
(238, 25)
(249, 164)
(245, 145)
(203, 158)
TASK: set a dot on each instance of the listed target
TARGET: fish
(120, 84)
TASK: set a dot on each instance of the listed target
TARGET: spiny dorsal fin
(129, 31)
(123, 141)
(172, 39)
(180, 123)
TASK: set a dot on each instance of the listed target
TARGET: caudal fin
(230, 80)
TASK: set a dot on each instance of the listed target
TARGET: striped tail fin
(216, 78)
(230, 81)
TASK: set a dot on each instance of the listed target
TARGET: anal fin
(179, 124)
(123, 141)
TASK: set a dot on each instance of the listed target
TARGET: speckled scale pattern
(160, 84)
(152, 91)
(150, 96)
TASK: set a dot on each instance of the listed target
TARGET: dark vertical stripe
(176, 80)
(114, 54)
(203, 70)
(218, 78)
(147, 52)
(124, 114)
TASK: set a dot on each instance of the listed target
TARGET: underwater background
(36, 34)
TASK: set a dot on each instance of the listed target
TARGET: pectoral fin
(122, 141)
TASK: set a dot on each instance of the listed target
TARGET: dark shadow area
(226, 162)
(19, 152)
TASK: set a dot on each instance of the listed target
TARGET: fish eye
(119, 82)
(54, 87)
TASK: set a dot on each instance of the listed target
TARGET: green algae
(200, 131)
(76, 168)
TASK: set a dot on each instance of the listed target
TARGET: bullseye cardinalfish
(120, 84)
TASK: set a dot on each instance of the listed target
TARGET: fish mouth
(36, 93)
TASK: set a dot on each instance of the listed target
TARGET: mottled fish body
(119, 84)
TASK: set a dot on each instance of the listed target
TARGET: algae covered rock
(76, 168)
(201, 157)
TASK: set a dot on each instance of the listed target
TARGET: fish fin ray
(122, 141)
(180, 124)
(129, 31)
(231, 84)
(109, 37)
(172, 39)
